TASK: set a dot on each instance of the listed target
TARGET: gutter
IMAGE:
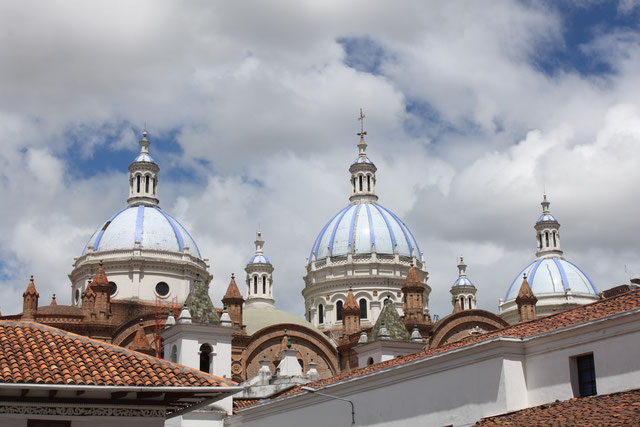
(218, 389)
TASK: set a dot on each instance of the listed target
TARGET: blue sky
(472, 109)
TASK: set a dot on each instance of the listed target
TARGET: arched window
(554, 239)
(264, 284)
(320, 314)
(146, 183)
(462, 302)
(309, 316)
(470, 301)
(368, 182)
(255, 284)
(138, 180)
(540, 241)
(339, 310)
(174, 354)
(363, 308)
(546, 235)
(360, 178)
(354, 184)
(154, 186)
(370, 361)
(205, 358)
(301, 363)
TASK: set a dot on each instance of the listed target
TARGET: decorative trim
(75, 411)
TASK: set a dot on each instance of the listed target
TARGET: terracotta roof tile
(620, 409)
(412, 279)
(38, 354)
(573, 316)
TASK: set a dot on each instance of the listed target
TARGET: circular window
(113, 288)
(162, 289)
(77, 295)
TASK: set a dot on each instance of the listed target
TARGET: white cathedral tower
(365, 247)
(259, 277)
(147, 254)
(463, 291)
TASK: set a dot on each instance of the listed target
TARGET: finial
(524, 276)
(32, 277)
(233, 276)
(362, 132)
(545, 204)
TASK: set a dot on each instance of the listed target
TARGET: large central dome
(361, 228)
(364, 248)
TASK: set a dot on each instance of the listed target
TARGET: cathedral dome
(149, 226)
(552, 275)
(361, 227)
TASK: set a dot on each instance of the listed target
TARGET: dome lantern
(143, 177)
(547, 234)
(363, 172)
(259, 276)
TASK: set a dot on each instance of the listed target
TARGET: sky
(473, 110)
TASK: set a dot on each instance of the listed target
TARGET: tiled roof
(200, 305)
(243, 403)
(619, 409)
(573, 316)
(391, 319)
(32, 353)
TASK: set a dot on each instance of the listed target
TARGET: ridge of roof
(39, 348)
(605, 307)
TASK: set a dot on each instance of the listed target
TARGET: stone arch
(459, 325)
(126, 332)
(309, 343)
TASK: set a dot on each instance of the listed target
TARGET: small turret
(547, 232)
(526, 302)
(463, 292)
(233, 301)
(143, 177)
(351, 314)
(30, 301)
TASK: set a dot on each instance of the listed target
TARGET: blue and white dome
(259, 259)
(462, 281)
(546, 217)
(144, 157)
(150, 226)
(362, 159)
(359, 227)
(552, 275)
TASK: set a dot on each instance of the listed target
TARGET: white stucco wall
(461, 386)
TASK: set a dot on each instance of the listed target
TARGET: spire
(233, 301)
(363, 171)
(462, 268)
(140, 342)
(547, 234)
(200, 305)
(350, 304)
(351, 314)
(526, 301)
(143, 177)
(259, 242)
(30, 301)
(31, 289)
(53, 300)
(390, 321)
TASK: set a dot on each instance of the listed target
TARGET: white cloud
(262, 95)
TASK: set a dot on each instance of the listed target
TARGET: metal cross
(362, 132)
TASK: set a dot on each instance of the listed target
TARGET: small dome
(360, 226)
(259, 259)
(462, 281)
(546, 217)
(552, 275)
(144, 157)
(362, 159)
(150, 226)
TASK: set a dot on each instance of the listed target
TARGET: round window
(113, 288)
(162, 289)
(77, 295)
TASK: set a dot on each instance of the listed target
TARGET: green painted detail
(200, 305)
(391, 319)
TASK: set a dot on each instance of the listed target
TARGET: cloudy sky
(472, 110)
